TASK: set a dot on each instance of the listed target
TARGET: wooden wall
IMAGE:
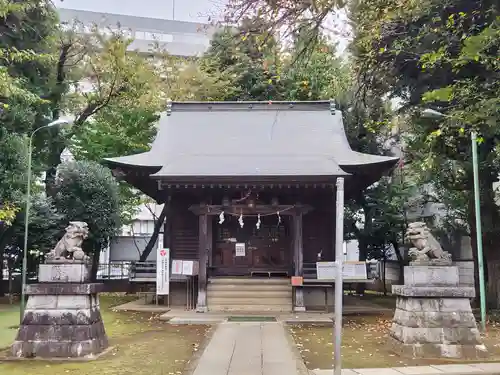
(318, 225)
(184, 229)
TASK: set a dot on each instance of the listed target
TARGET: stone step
(249, 287)
(249, 281)
(211, 300)
(249, 293)
(250, 308)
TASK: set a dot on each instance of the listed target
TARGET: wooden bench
(142, 272)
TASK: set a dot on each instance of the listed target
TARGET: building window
(159, 37)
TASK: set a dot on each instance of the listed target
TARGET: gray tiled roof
(267, 140)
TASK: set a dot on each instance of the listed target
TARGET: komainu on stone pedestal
(433, 317)
(62, 317)
(426, 249)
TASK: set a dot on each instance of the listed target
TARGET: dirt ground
(365, 344)
(142, 345)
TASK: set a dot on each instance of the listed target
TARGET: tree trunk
(490, 218)
(384, 280)
(96, 254)
(156, 232)
(361, 287)
(401, 262)
(11, 285)
(56, 150)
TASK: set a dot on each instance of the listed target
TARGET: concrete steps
(249, 295)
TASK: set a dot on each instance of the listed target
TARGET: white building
(178, 38)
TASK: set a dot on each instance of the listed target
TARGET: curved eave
(142, 160)
(366, 174)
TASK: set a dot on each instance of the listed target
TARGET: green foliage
(12, 177)
(253, 67)
(13, 165)
(86, 191)
(26, 58)
(117, 131)
(45, 226)
(443, 55)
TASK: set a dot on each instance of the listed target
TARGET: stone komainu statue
(426, 248)
(69, 247)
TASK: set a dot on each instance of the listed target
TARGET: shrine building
(250, 191)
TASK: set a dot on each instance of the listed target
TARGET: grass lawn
(142, 346)
(9, 318)
(365, 345)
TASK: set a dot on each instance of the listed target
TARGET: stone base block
(59, 349)
(435, 326)
(61, 326)
(433, 291)
(436, 335)
(434, 319)
(64, 273)
(431, 276)
(443, 350)
(430, 304)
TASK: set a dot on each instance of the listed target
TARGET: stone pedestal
(433, 317)
(62, 317)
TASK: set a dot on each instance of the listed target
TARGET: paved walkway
(249, 348)
(454, 369)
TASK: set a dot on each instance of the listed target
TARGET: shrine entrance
(262, 246)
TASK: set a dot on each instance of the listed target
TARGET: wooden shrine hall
(250, 194)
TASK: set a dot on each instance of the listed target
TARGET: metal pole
(173, 10)
(479, 232)
(339, 286)
(26, 224)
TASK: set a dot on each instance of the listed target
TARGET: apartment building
(178, 38)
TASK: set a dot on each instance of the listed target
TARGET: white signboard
(162, 271)
(176, 267)
(240, 249)
(190, 267)
(354, 270)
(185, 267)
(350, 270)
(326, 270)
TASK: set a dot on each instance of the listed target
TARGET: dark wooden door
(268, 247)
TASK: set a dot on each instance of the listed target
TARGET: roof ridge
(209, 106)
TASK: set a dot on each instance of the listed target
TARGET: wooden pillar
(210, 241)
(201, 305)
(167, 228)
(298, 251)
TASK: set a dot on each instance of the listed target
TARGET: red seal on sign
(163, 253)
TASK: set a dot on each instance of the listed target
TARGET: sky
(185, 10)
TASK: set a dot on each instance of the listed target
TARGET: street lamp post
(27, 213)
(430, 113)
